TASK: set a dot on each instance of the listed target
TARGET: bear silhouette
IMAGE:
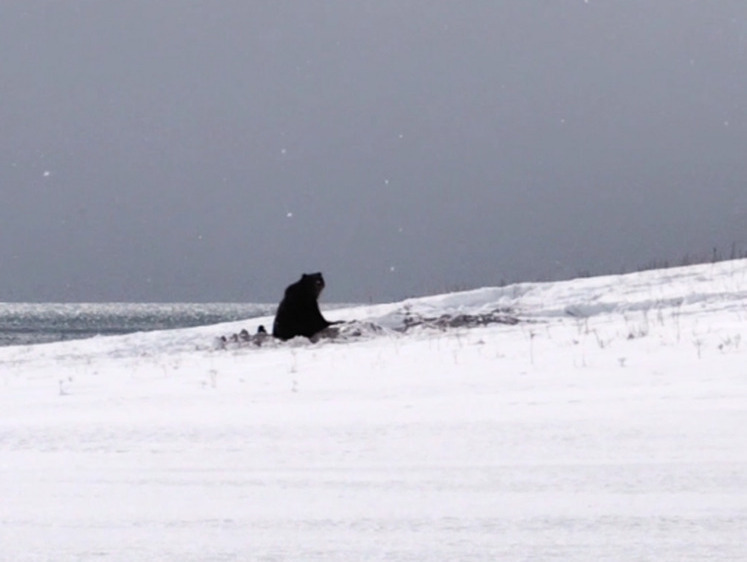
(298, 313)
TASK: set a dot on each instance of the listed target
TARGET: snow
(609, 423)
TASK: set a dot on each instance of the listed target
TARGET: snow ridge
(586, 420)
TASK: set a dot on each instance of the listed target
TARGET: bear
(298, 313)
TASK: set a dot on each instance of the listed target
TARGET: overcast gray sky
(164, 150)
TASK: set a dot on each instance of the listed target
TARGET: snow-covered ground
(610, 423)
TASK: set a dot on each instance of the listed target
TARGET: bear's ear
(305, 276)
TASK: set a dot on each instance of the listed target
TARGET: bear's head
(314, 281)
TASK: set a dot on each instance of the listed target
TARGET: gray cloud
(171, 151)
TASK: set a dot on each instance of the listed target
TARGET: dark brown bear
(298, 313)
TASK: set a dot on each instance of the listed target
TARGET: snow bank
(609, 423)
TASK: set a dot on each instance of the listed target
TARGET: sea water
(32, 323)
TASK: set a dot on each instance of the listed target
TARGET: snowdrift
(593, 419)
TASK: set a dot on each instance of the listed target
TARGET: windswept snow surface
(610, 423)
